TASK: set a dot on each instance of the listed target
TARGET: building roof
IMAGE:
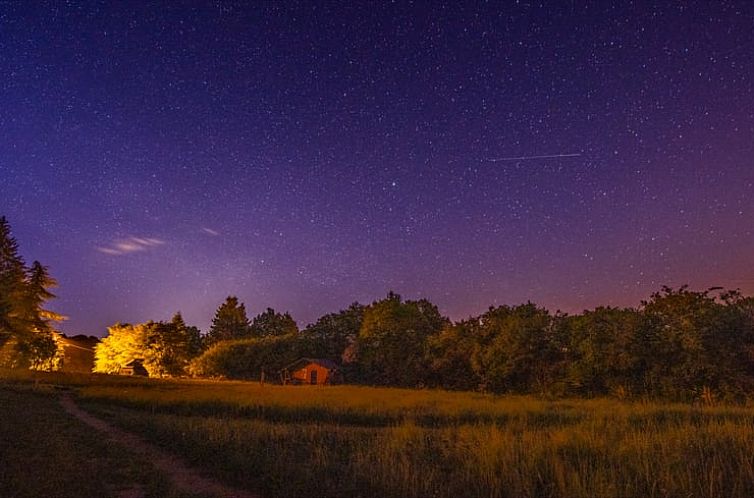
(323, 362)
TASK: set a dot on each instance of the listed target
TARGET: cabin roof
(323, 362)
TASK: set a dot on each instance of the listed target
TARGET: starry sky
(305, 155)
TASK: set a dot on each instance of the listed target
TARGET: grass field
(358, 441)
(45, 453)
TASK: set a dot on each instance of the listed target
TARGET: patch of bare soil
(183, 477)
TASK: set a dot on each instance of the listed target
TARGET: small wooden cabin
(134, 367)
(313, 371)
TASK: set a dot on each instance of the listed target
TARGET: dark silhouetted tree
(38, 293)
(12, 286)
(168, 347)
(602, 351)
(334, 332)
(27, 338)
(694, 340)
(450, 353)
(392, 341)
(271, 323)
(518, 351)
(230, 322)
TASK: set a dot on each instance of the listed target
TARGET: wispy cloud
(209, 231)
(120, 247)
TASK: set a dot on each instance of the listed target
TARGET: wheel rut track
(185, 478)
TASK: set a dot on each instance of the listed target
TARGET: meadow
(360, 441)
(45, 453)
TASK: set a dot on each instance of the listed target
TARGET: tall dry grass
(357, 441)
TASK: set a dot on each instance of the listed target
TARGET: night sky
(308, 155)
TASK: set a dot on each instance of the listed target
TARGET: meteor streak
(528, 158)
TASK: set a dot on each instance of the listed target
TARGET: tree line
(678, 344)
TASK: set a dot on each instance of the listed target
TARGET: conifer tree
(12, 285)
(38, 291)
(230, 322)
(27, 337)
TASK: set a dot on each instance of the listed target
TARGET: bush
(248, 358)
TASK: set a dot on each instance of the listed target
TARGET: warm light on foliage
(123, 344)
(165, 347)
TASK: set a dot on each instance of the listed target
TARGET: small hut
(134, 367)
(313, 371)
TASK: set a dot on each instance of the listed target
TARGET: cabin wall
(303, 374)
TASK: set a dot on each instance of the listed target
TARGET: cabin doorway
(313, 377)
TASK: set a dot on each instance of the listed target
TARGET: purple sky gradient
(160, 158)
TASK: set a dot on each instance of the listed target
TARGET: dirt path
(182, 477)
